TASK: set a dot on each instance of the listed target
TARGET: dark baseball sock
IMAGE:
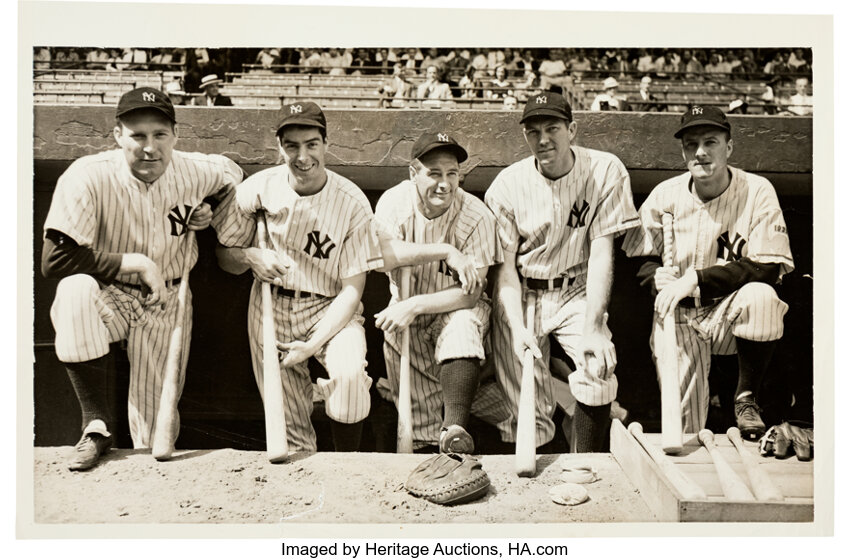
(459, 378)
(346, 436)
(590, 427)
(753, 360)
(89, 380)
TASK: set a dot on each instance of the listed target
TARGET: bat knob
(635, 428)
(706, 437)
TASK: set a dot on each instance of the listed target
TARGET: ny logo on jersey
(321, 247)
(149, 97)
(578, 215)
(179, 221)
(540, 99)
(730, 251)
(442, 137)
(294, 109)
(696, 111)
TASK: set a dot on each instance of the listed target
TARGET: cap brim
(301, 122)
(701, 122)
(543, 113)
(459, 152)
(168, 115)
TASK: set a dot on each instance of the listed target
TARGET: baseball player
(321, 247)
(730, 246)
(116, 236)
(558, 212)
(448, 325)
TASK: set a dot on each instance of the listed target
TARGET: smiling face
(431, 73)
(549, 139)
(303, 149)
(147, 138)
(436, 176)
(706, 150)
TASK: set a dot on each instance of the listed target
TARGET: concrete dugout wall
(221, 407)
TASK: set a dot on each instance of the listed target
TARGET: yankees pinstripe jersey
(101, 205)
(467, 225)
(328, 235)
(744, 221)
(550, 223)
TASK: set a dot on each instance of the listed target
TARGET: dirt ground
(228, 486)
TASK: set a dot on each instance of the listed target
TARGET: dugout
(221, 406)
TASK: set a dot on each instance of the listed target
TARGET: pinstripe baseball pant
(346, 393)
(754, 312)
(561, 313)
(88, 317)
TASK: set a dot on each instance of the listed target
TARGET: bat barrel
(526, 448)
(404, 433)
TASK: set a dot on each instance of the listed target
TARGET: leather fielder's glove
(448, 479)
(786, 438)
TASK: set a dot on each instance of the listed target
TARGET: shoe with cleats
(455, 439)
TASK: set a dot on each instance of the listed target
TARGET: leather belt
(550, 284)
(286, 292)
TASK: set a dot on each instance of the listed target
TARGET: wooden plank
(661, 497)
(792, 486)
(714, 511)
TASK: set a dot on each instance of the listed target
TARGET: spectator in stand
(733, 60)
(499, 85)
(608, 100)
(211, 96)
(776, 66)
(526, 62)
(60, 58)
(531, 84)
(479, 62)
(801, 103)
(553, 69)
(645, 100)
(510, 102)
(267, 58)
(512, 63)
(495, 57)
(433, 58)
(747, 69)
(458, 63)
(202, 59)
(362, 63)
(690, 66)
(666, 64)
(311, 61)
(577, 65)
(335, 63)
(97, 59)
(175, 93)
(716, 67)
(768, 98)
(469, 85)
(114, 62)
(797, 61)
(433, 88)
(161, 60)
(398, 90)
(42, 58)
(621, 65)
(412, 59)
(644, 64)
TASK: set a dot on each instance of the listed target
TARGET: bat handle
(671, 411)
(667, 228)
(526, 460)
(404, 435)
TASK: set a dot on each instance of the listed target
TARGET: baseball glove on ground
(448, 479)
(789, 438)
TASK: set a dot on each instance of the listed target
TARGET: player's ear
(116, 133)
(174, 130)
(572, 128)
(412, 172)
(729, 148)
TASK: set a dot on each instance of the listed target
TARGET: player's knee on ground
(347, 392)
(760, 312)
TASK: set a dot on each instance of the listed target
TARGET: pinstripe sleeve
(73, 208)
(481, 244)
(647, 238)
(506, 227)
(387, 215)
(616, 212)
(769, 241)
(361, 250)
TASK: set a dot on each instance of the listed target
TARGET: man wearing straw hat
(211, 96)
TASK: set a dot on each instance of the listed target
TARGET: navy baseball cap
(145, 98)
(548, 104)
(703, 115)
(433, 140)
(304, 113)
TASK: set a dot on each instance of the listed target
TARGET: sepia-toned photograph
(538, 281)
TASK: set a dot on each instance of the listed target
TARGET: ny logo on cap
(294, 109)
(442, 137)
(696, 111)
(541, 99)
(149, 97)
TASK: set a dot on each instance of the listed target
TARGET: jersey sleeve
(73, 209)
(361, 249)
(506, 226)
(482, 244)
(224, 191)
(616, 212)
(769, 242)
(387, 216)
(235, 226)
(647, 239)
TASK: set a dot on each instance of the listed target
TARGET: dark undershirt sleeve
(62, 256)
(721, 280)
(646, 273)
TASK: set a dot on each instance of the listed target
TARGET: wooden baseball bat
(526, 431)
(733, 487)
(277, 448)
(404, 436)
(165, 434)
(668, 363)
(763, 487)
(684, 485)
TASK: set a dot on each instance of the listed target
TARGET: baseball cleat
(749, 421)
(455, 439)
(88, 450)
